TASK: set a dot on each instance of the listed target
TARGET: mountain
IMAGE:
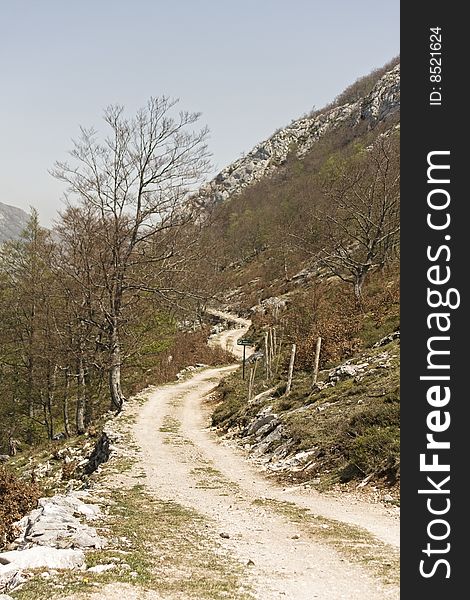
(12, 222)
(372, 108)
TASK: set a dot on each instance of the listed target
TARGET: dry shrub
(187, 348)
(382, 296)
(190, 348)
(337, 323)
(69, 470)
(17, 498)
(339, 341)
(329, 310)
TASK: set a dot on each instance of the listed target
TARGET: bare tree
(137, 183)
(362, 220)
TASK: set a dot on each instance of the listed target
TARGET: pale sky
(249, 66)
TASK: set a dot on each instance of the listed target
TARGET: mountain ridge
(267, 156)
(12, 222)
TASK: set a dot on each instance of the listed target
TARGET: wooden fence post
(266, 355)
(270, 349)
(317, 360)
(251, 381)
(278, 351)
(250, 375)
(291, 370)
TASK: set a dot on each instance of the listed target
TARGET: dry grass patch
(356, 544)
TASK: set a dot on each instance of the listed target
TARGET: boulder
(101, 568)
(346, 370)
(101, 453)
(262, 447)
(42, 556)
(14, 562)
(267, 394)
(54, 523)
(266, 430)
(297, 462)
(254, 357)
(260, 422)
(10, 578)
(387, 339)
(281, 451)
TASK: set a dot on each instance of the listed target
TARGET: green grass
(170, 425)
(208, 477)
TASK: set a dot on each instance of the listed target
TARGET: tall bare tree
(136, 182)
(362, 220)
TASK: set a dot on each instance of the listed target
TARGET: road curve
(184, 462)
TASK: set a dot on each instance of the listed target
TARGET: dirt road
(381, 522)
(184, 462)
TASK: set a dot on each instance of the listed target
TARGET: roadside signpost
(244, 342)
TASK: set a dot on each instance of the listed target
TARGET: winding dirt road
(184, 462)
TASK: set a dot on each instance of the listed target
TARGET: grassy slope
(352, 428)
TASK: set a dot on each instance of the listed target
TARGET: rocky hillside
(344, 428)
(278, 212)
(382, 102)
(12, 222)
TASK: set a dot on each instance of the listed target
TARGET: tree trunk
(51, 388)
(117, 397)
(12, 445)
(45, 412)
(81, 397)
(89, 407)
(65, 402)
(358, 283)
(30, 400)
(30, 388)
(31, 341)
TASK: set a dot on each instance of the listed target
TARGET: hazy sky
(250, 66)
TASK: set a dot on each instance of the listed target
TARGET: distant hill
(12, 222)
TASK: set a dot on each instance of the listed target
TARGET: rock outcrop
(13, 563)
(53, 536)
(299, 137)
(56, 523)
